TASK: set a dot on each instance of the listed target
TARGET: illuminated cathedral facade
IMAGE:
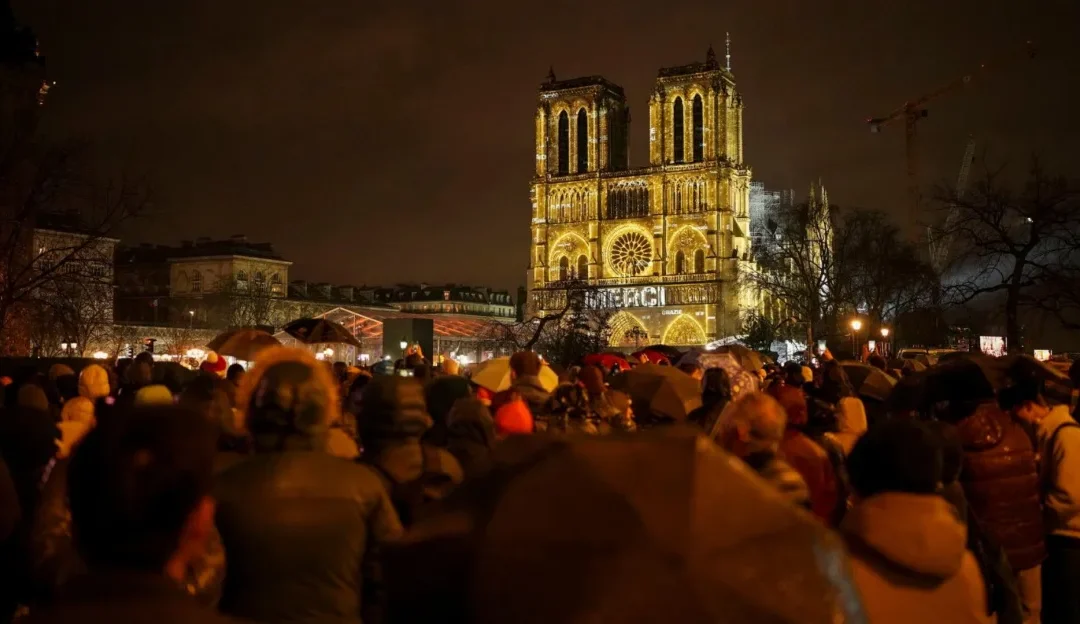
(664, 245)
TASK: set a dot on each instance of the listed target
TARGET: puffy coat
(910, 562)
(1001, 483)
(813, 463)
(299, 525)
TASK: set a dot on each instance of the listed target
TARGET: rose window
(631, 254)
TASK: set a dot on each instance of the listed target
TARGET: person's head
(793, 401)
(340, 369)
(32, 396)
(94, 382)
(139, 489)
(214, 365)
(235, 373)
(592, 378)
(693, 369)
(145, 357)
(392, 409)
(289, 400)
(524, 363)
(441, 395)
(421, 373)
(877, 362)
(793, 374)
(952, 449)
(1024, 399)
(897, 455)
(450, 367)
(153, 394)
(716, 385)
(139, 373)
(354, 397)
(205, 396)
(754, 423)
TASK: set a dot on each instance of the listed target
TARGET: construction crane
(913, 111)
(939, 239)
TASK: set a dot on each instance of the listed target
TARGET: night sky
(375, 142)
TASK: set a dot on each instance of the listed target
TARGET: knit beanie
(513, 418)
(214, 364)
(155, 394)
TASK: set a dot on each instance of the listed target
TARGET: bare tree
(236, 303)
(1021, 245)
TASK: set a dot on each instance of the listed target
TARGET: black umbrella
(972, 378)
(321, 331)
(868, 381)
(663, 390)
(660, 527)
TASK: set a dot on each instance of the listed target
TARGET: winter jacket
(441, 395)
(787, 481)
(1001, 483)
(54, 560)
(529, 388)
(122, 596)
(910, 562)
(1060, 471)
(470, 435)
(300, 526)
(813, 463)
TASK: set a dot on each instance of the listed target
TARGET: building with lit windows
(665, 243)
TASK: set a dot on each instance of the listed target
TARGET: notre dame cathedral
(663, 244)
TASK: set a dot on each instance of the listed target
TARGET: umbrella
(654, 356)
(664, 390)
(495, 375)
(868, 381)
(242, 344)
(672, 353)
(607, 361)
(657, 527)
(747, 357)
(321, 331)
(710, 359)
(974, 377)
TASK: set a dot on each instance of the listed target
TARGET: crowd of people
(272, 494)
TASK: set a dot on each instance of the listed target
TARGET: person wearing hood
(808, 457)
(715, 396)
(908, 550)
(610, 406)
(752, 429)
(441, 394)
(77, 417)
(850, 423)
(392, 425)
(1057, 437)
(470, 435)
(300, 526)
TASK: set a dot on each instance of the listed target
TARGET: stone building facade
(663, 244)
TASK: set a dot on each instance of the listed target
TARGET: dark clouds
(381, 141)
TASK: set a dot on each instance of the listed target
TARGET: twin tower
(663, 244)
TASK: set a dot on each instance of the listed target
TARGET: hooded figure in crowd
(908, 549)
(470, 435)
(299, 524)
(77, 417)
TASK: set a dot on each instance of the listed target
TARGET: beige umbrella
(495, 375)
(655, 527)
(242, 344)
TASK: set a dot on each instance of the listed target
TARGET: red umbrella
(656, 357)
(607, 361)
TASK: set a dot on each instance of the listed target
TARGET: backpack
(410, 497)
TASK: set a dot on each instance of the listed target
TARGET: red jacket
(1001, 483)
(812, 462)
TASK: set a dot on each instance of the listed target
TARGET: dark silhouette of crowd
(300, 491)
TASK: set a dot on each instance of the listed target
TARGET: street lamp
(191, 318)
(885, 339)
(856, 325)
(404, 344)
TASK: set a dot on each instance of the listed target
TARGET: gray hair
(760, 415)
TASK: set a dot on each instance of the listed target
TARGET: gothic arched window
(699, 129)
(582, 267)
(564, 143)
(680, 263)
(677, 129)
(582, 141)
(699, 261)
(564, 268)
(196, 282)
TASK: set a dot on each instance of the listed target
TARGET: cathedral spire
(710, 58)
(551, 75)
(727, 43)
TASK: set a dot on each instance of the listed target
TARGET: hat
(525, 363)
(513, 418)
(32, 396)
(214, 364)
(289, 392)
(94, 382)
(80, 409)
(155, 394)
(393, 407)
(59, 370)
(450, 367)
(807, 374)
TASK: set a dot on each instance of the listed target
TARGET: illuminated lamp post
(856, 325)
(885, 341)
(404, 344)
